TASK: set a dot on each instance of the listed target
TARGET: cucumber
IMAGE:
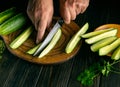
(101, 36)
(52, 43)
(32, 51)
(75, 39)
(96, 46)
(94, 33)
(8, 13)
(13, 24)
(116, 54)
(109, 48)
(21, 38)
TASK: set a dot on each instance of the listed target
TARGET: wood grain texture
(15, 72)
(56, 55)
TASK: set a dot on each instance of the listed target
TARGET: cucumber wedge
(116, 54)
(101, 36)
(21, 38)
(32, 51)
(52, 43)
(96, 46)
(109, 48)
(75, 39)
(94, 33)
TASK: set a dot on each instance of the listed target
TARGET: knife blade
(49, 36)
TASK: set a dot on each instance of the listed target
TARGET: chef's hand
(69, 9)
(40, 12)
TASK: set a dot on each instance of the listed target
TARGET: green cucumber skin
(116, 54)
(94, 33)
(21, 38)
(101, 36)
(109, 48)
(96, 46)
(82, 30)
(72, 44)
(52, 43)
(8, 13)
(76, 38)
(13, 24)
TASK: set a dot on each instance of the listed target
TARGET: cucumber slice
(75, 39)
(116, 54)
(96, 46)
(51, 44)
(109, 48)
(21, 38)
(94, 33)
(32, 51)
(101, 36)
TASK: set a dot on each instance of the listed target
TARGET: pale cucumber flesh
(76, 38)
(33, 50)
(101, 36)
(94, 33)
(52, 43)
(116, 54)
(21, 38)
(96, 46)
(109, 48)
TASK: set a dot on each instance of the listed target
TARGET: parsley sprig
(2, 48)
(103, 67)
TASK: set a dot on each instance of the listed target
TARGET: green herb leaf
(2, 48)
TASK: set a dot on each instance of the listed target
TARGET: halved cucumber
(52, 43)
(21, 38)
(94, 33)
(32, 51)
(109, 48)
(101, 36)
(96, 46)
(116, 54)
(75, 39)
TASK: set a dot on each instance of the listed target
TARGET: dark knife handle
(61, 21)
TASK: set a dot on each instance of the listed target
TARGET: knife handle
(61, 21)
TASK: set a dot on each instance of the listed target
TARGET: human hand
(69, 9)
(40, 12)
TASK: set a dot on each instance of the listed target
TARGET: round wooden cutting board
(55, 56)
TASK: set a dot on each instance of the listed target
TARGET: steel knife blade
(49, 36)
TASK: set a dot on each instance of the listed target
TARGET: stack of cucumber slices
(104, 41)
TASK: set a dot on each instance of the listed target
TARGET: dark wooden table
(15, 72)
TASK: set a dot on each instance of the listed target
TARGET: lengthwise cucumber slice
(116, 54)
(101, 36)
(109, 48)
(32, 51)
(94, 33)
(96, 46)
(21, 38)
(52, 43)
(76, 38)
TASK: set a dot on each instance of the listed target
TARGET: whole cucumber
(13, 24)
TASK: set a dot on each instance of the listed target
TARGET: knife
(50, 35)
